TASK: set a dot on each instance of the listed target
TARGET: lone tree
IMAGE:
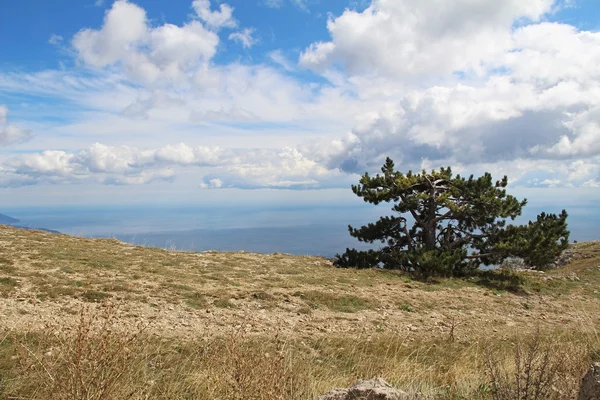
(449, 225)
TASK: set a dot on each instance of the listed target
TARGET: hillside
(183, 297)
(5, 219)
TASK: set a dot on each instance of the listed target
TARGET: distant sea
(311, 231)
(320, 231)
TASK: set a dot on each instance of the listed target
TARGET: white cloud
(124, 29)
(550, 182)
(248, 168)
(284, 169)
(526, 93)
(244, 37)
(214, 19)
(580, 170)
(50, 162)
(592, 183)
(583, 138)
(55, 39)
(165, 52)
(421, 38)
(212, 184)
(10, 134)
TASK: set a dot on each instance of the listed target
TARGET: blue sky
(288, 24)
(126, 101)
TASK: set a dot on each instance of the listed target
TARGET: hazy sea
(311, 230)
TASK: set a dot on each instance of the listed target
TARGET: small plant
(455, 323)
(406, 308)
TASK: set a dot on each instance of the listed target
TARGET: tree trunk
(430, 237)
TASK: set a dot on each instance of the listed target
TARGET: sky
(290, 101)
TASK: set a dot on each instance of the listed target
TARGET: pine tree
(449, 225)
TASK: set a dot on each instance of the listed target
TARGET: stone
(372, 389)
(590, 384)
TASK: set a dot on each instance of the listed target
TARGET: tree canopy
(450, 225)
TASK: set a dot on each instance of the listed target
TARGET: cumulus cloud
(421, 38)
(582, 140)
(149, 54)
(10, 134)
(483, 83)
(214, 19)
(124, 29)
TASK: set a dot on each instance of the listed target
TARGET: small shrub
(406, 308)
(539, 371)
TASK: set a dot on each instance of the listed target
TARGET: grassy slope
(336, 325)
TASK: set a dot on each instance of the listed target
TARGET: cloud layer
(490, 85)
(252, 168)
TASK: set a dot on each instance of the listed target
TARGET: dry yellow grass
(250, 326)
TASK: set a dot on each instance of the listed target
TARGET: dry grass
(251, 326)
(95, 359)
(538, 369)
(89, 361)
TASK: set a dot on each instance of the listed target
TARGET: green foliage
(537, 241)
(457, 225)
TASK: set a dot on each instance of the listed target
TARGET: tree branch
(444, 216)
(475, 256)
(465, 239)
(413, 212)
